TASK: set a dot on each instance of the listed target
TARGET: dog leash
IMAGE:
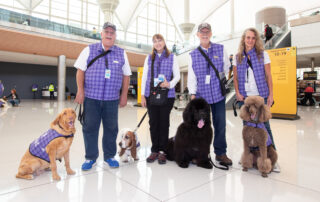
(80, 113)
(234, 105)
(144, 116)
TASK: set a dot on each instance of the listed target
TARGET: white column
(181, 82)
(108, 7)
(61, 77)
(232, 16)
(312, 64)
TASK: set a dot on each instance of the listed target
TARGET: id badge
(161, 77)
(107, 74)
(155, 82)
(207, 79)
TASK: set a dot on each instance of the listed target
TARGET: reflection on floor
(298, 144)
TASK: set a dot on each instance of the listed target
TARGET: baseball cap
(109, 24)
(204, 25)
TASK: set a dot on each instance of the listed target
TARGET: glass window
(152, 11)
(132, 28)
(131, 37)
(142, 39)
(163, 15)
(163, 30)
(43, 7)
(151, 28)
(142, 26)
(120, 35)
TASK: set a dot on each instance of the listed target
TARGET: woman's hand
(270, 100)
(143, 101)
(239, 97)
(165, 84)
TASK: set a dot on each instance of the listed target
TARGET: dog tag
(107, 74)
(207, 79)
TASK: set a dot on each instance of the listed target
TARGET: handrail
(270, 43)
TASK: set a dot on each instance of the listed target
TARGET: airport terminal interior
(40, 41)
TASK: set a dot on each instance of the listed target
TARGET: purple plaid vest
(96, 86)
(259, 125)
(162, 65)
(38, 147)
(210, 92)
(258, 71)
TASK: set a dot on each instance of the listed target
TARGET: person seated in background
(1, 88)
(13, 98)
(308, 95)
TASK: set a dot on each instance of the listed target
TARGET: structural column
(232, 16)
(108, 7)
(181, 82)
(61, 77)
(312, 64)
(186, 27)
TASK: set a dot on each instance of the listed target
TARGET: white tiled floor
(298, 144)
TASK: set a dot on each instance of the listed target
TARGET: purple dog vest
(38, 147)
(259, 125)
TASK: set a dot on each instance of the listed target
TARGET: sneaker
(88, 164)
(153, 156)
(224, 160)
(162, 158)
(276, 168)
(112, 162)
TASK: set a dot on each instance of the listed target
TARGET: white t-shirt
(175, 71)
(251, 86)
(192, 79)
(81, 62)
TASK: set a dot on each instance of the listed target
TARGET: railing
(277, 36)
(19, 18)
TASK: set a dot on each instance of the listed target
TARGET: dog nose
(126, 137)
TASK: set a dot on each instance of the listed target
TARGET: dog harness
(38, 147)
(260, 125)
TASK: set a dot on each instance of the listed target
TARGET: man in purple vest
(99, 90)
(203, 82)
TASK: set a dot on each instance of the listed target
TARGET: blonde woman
(252, 72)
(166, 70)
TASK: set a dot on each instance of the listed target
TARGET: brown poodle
(254, 113)
(49, 147)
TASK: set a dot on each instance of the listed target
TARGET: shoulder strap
(209, 61)
(152, 73)
(248, 60)
(97, 57)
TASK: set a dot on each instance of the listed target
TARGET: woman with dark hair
(15, 100)
(166, 72)
(252, 73)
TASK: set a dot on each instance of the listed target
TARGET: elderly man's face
(108, 37)
(204, 35)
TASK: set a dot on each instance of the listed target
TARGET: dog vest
(38, 147)
(260, 125)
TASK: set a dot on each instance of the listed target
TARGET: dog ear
(120, 144)
(187, 113)
(134, 148)
(122, 151)
(244, 113)
(265, 114)
(56, 121)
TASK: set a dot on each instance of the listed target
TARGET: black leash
(234, 105)
(144, 116)
(80, 113)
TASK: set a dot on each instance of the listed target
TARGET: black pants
(159, 121)
(51, 95)
(308, 96)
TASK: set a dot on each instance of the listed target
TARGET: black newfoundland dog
(194, 136)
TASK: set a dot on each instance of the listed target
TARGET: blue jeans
(267, 124)
(219, 124)
(94, 112)
(14, 102)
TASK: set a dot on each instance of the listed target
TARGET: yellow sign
(140, 71)
(284, 77)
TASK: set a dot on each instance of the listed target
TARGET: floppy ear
(244, 113)
(188, 114)
(134, 148)
(56, 121)
(122, 151)
(265, 114)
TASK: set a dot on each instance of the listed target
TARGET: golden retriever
(58, 139)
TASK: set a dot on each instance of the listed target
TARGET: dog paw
(264, 174)
(56, 177)
(125, 161)
(245, 169)
(183, 164)
(70, 171)
(136, 159)
(206, 165)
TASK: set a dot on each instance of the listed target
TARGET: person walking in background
(51, 91)
(94, 33)
(308, 95)
(230, 68)
(203, 82)
(268, 34)
(252, 73)
(99, 91)
(166, 70)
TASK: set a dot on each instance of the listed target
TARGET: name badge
(115, 61)
(161, 77)
(107, 74)
(215, 57)
(207, 79)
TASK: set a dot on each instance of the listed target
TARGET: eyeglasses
(205, 33)
(108, 32)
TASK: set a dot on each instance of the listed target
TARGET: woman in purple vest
(254, 80)
(166, 70)
(203, 82)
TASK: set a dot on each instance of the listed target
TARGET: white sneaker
(276, 168)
